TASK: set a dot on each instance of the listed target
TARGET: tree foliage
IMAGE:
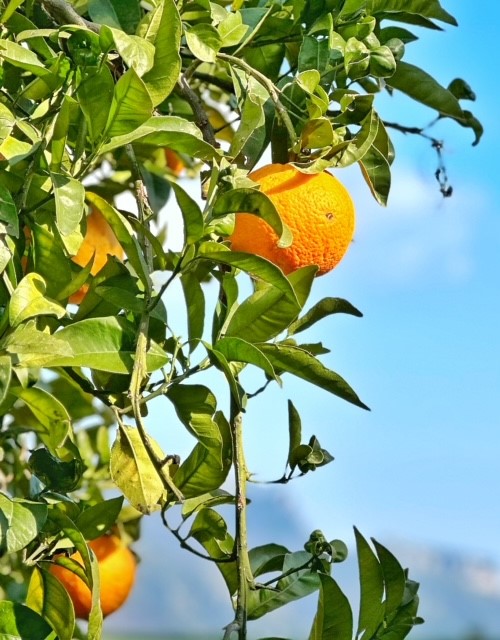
(92, 94)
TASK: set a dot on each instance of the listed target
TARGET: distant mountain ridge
(178, 593)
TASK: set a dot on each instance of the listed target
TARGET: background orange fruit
(174, 162)
(317, 208)
(99, 238)
(117, 569)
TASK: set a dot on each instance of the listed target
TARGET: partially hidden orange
(174, 162)
(317, 208)
(117, 569)
(99, 240)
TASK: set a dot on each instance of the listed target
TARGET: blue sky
(423, 464)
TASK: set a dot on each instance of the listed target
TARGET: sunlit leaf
(28, 300)
(131, 105)
(371, 582)
(133, 471)
(162, 27)
(322, 309)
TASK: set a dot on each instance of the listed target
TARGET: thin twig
(200, 115)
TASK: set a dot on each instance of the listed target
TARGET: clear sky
(423, 465)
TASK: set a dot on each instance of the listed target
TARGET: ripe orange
(100, 239)
(317, 208)
(117, 568)
(174, 162)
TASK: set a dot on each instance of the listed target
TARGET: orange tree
(92, 95)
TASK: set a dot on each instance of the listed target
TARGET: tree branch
(63, 13)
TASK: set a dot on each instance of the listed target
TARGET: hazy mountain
(177, 592)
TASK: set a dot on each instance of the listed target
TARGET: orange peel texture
(317, 208)
(117, 569)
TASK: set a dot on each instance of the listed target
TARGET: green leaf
(9, 10)
(23, 58)
(20, 523)
(238, 350)
(420, 86)
(425, 8)
(257, 203)
(47, 596)
(5, 376)
(59, 138)
(131, 105)
(137, 53)
(105, 344)
(18, 622)
(269, 310)
(33, 348)
(162, 27)
(210, 499)
(28, 300)
(91, 568)
(294, 433)
(203, 41)
(394, 580)
(56, 475)
(9, 221)
(267, 558)
(55, 423)
(208, 464)
(371, 582)
(167, 131)
(134, 473)
(95, 95)
(192, 215)
(195, 306)
(303, 365)
(96, 520)
(210, 530)
(124, 234)
(322, 309)
(232, 30)
(297, 584)
(333, 617)
(69, 196)
(122, 14)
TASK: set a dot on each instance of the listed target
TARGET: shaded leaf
(19, 622)
(333, 617)
(303, 365)
(371, 582)
(20, 523)
(322, 309)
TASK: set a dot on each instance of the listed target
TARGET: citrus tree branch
(271, 89)
(62, 12)
(243, 569)
(139, 370)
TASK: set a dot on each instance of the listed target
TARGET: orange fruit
(100, 239)
(117, 569)
(317, 208)
(174, 162)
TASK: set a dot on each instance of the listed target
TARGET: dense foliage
(92, 93)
